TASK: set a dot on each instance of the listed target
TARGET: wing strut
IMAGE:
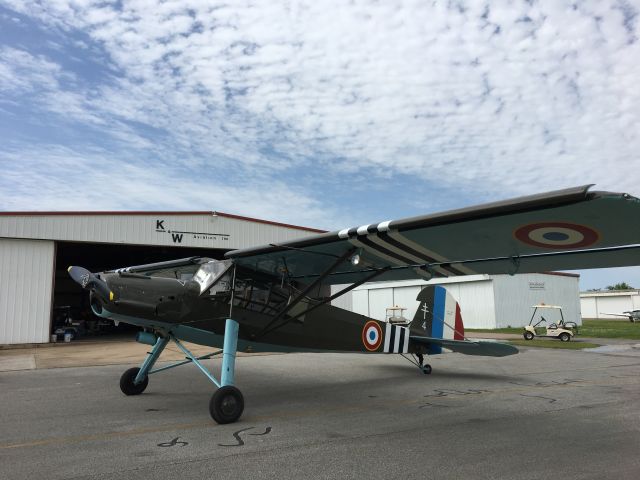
(332, 297)
(270, 326)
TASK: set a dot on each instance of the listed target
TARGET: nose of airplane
(89, 281)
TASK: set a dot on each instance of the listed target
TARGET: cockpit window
(210, 272)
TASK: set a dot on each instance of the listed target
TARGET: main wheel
(564, 337)
(126, 382)
(426, 369)
(226, 405)
(528, 336)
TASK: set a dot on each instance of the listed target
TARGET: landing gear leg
(135, 380)
(425, 368)
(227, 403)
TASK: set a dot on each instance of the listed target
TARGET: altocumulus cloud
(257, 108)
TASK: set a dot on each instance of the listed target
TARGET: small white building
(602, 304)
(486, 301)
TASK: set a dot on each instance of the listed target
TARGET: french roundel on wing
(372, 336)
(557, 235)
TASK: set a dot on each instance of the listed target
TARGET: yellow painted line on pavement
(101, 436)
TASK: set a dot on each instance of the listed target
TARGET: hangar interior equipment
(37, 296)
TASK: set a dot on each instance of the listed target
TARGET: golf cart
(562, 330)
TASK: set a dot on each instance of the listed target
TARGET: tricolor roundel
(372, 336)
(557, 235)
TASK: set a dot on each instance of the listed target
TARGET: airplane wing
(562, 230)
(469, 347)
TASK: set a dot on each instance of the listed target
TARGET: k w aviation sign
(179, 236)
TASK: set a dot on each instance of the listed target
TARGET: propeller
(90, 281)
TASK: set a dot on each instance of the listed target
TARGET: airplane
(277, 297)
(632, 315)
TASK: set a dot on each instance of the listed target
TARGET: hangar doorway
(71, 312)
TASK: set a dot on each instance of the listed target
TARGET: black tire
(528, 336)
(426, 369)
(126, 382)
(564, 337)
(226, 405)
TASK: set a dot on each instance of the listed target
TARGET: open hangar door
(71, 311)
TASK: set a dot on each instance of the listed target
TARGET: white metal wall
(477, 303)
(486, 301)
(516, 294)
(26, 279)
(200, 230)
(597, 305)
(474, 294)
(589, 307)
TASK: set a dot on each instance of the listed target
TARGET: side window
(259, 297)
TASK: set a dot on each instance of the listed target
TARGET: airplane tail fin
(438, 316)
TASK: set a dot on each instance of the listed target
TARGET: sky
(325, 114)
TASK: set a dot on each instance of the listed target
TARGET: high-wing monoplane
(278, 297)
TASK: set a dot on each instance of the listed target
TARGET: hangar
(486, 301)
(37, 297)
(602, 304)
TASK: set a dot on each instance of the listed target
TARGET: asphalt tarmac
(540, 414)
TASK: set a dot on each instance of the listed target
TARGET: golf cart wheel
(126, 382)
(528, 336)
(426, 369)
(226, 405)
(564, 337)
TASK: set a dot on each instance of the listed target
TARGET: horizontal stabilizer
(469, 347)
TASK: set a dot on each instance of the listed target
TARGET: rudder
(438, 316)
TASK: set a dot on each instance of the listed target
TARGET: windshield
(209, 272)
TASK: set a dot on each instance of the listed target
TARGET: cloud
(93, 180)
(475, 100)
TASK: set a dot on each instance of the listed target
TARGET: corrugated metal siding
(360, 301)
(345, 301)
(516, 294)
(475, 299)
(589, 307)
(26, 280)
(379, 300)
(598, 305)
(201, 231)
(477, 303)
(405, 297)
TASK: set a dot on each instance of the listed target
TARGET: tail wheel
(565, 337)
(528, 336)
(226, 405)
(126, 382)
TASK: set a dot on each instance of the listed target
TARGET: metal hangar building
(36, 294)
(486, 301)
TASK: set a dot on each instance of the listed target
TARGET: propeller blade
(80, 275)
(89, 281)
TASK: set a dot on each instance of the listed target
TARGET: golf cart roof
(546, 306)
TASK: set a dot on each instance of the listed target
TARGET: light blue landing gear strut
(226, 404)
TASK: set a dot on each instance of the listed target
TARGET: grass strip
(589, 328)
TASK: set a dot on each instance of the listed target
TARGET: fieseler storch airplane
(277, 297)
